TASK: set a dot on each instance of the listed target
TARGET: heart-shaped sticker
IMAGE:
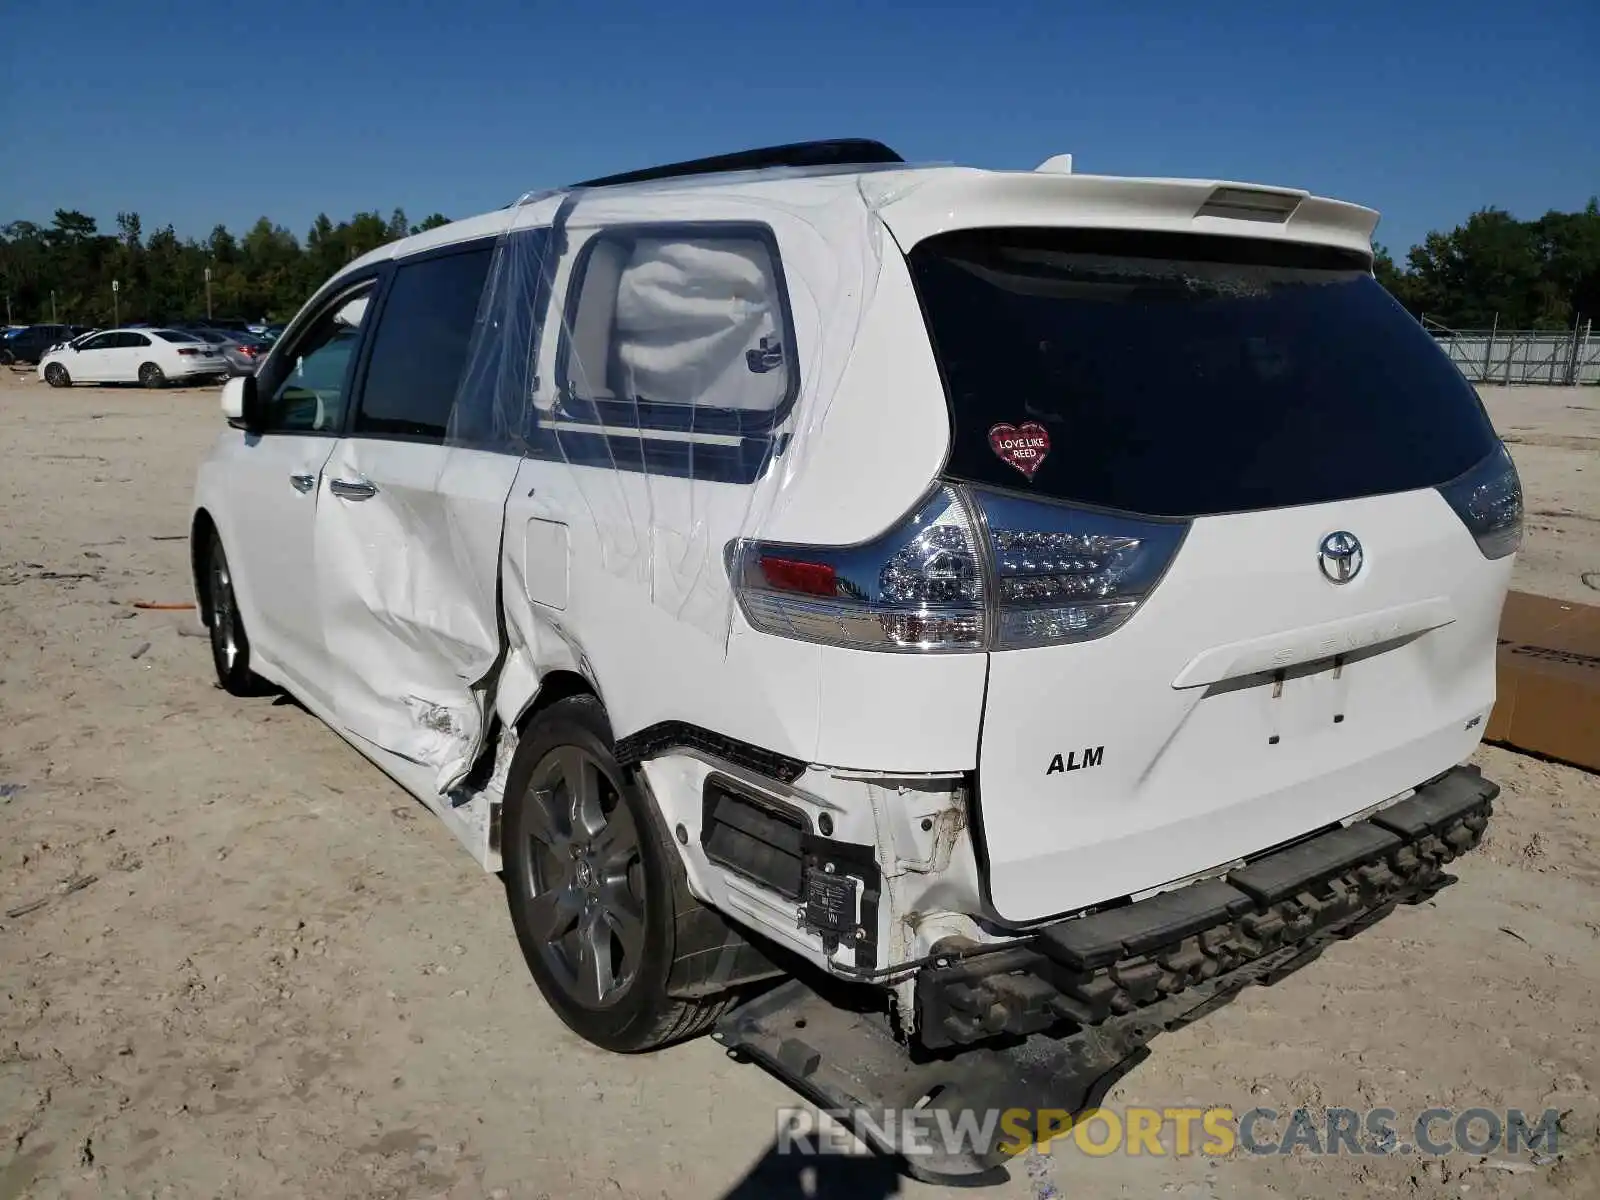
(1023, 446)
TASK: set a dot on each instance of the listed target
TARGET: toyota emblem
(1340, 557)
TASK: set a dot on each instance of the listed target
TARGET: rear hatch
(1319, 514)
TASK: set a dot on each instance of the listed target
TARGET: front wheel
(590, 886)
(152, 376)
(230, 648)
(56, 376)
(7, 357)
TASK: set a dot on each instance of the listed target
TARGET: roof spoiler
(840, 152)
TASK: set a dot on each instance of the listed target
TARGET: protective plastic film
(409, 540)
(491, 400)
(667, 352)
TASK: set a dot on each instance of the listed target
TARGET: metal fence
(1522, 355)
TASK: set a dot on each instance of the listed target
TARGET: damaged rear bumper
(1090, 969)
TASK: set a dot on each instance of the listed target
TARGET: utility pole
(8, 309)
(53, 319)
(208, 293)
(116, 303)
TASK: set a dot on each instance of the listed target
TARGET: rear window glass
(1180, 375)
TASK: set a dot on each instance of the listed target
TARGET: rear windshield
(1180, 374)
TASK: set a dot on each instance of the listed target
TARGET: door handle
(302, 483)
(352, 489)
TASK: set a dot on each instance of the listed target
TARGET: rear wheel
(7, 357)
(590, 886)
(152, 376)
(230, 648)
(56, 376)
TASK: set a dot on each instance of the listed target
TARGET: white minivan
(1012, 597)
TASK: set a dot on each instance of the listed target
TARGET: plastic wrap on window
(655, 361)
(491, 399)
(424, 564)
(668, 350)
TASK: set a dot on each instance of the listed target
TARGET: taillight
(791, 575)
(249, 351)
(188, 353)
(1069, 574)
(918, 587)
(970, 570)
(1488, 499)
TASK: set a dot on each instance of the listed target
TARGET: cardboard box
(1548, 679)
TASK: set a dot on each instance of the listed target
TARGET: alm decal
(1092, 756)
(1023, 446)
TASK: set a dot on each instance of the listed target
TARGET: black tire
(56, 376)
(7, 358)
(559, 907)
(152, 376)
(230, 648)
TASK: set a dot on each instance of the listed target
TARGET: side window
(104, 341)
(308, 385)
(420, 346)
(679, 331)
(135, 340)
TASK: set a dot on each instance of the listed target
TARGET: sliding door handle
(352, 489)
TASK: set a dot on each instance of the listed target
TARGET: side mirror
(241, 403)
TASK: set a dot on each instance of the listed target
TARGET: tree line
(1493, 268)
(64, 271)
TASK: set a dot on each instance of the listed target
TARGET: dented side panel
(407, 580)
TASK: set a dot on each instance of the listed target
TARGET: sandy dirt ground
(259, 969)
(1554, 438)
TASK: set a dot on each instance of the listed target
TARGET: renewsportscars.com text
(1213, 1132)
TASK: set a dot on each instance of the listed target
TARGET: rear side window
(680, 329)
(420, 346)
(1183, 375)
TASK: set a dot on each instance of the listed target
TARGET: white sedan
(152, 357)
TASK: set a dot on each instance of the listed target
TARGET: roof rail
(839, 152)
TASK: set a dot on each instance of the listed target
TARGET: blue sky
(196, 113)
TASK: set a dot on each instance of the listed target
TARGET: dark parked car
(32, 342)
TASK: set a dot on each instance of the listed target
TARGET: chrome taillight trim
(1129, 554)
(1092, 569)
(861, 618)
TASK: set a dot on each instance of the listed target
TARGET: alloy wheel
(586, 877)
(224, 643)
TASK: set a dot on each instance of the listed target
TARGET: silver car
(242, 350)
